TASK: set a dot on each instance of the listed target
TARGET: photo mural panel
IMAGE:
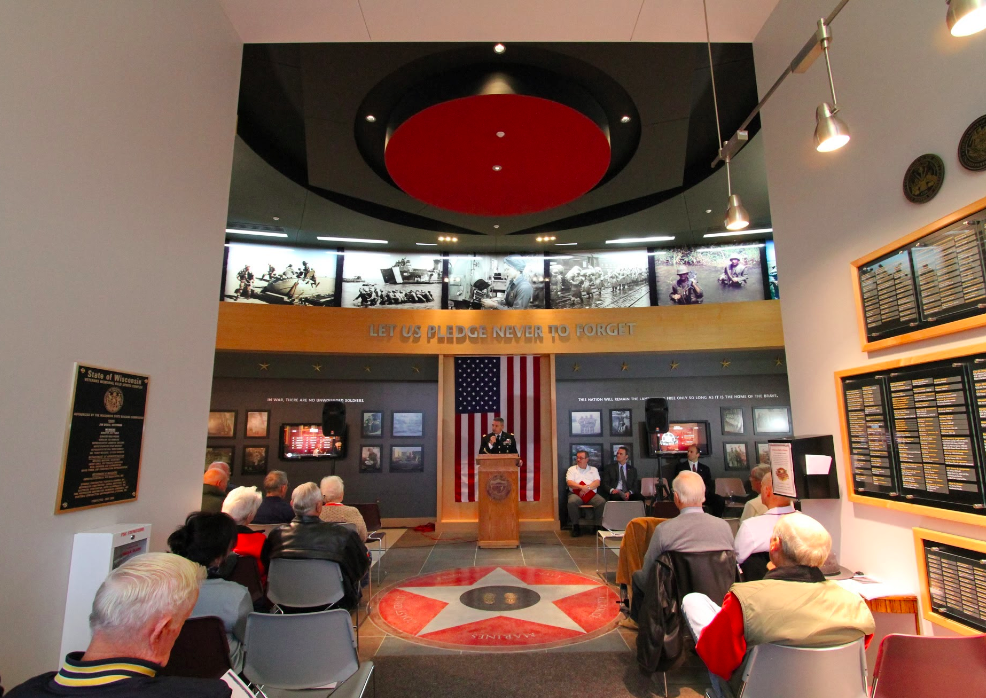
(391, 280)
(280, 275)
(712, 274)
(599, 280)
(504, 282)
(773, 284)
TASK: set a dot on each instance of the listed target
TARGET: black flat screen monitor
(678, 437)
(306, 442)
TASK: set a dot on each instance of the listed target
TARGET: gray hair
(143, 589)
(690, 488)
(221, 465)
(498, 419)
(804, 541)
(758, 472)
(242, 504)
(275, 480)
(332, 488)
(305, 498)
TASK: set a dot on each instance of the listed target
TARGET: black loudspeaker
(656, 412)
(333, 418)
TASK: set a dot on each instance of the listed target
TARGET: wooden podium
(499, 525)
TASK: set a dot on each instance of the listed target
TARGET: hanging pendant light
(831, 132)
(736, 216)
(965, 17)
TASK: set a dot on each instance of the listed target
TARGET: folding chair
(304, 651)
(201, 650)
(376, 540)
(305, 584)
(616, 516)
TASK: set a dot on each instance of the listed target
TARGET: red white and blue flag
(497, 386)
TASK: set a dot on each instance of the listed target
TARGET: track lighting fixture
(965, 17)
(831, 132)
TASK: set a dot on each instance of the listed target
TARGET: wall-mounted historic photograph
(620, 422)
(388, 280)
(735, 456)
(372, 425)
(406, 459)
(255, 460)
(594, 451)
(408, 424)
(715, 274)
(257, 426)
(222, 424)
(280, 275)
(772, 420)
(588, 423)
(599, 280)
(504, 282)
(370, 459)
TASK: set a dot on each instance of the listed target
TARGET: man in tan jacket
(793, 605)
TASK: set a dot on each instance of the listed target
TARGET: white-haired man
(754, 534)
(241, 505)
(334, 511)
(136, 617)
(793, 605)
(755, 506)
(307, 538)
(691, 531)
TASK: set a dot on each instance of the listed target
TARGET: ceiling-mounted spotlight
(831, 132)
(624, 119)
(499, 48)
(965, 17)
(736, 216)
(370, 118)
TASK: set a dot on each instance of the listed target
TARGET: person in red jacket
(241, 504)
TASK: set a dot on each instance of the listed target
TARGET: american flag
(497, 386)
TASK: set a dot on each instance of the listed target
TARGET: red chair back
(917, 665)
(201, 650)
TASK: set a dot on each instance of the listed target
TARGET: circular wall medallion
(923, 178)
(113, 400)
(498, 488)
(972, 146)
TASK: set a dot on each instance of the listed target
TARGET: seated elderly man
(307, 537)
(793, 605)
(754, 534)
(692, 531)
(274, 509)
(214, 484)
(334, 511)
(755, 506)
(137, 614)
(583, 481)
(241, 505)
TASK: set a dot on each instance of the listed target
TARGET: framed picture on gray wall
(222, 424)
(734, 455)
(763, 453)
(372, 425)
(223, 454)
(408, 424)
(407, 459)
(771, 420)
(620, 422)
(586, 423)
(732, 420)
(615, 447)
(594, 451)
(254, 460)
(257, 426)
(370, 460)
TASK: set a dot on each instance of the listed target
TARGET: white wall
(116, 134)
(906, 87)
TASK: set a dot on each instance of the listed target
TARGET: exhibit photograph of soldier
(384, 280)
(713, 274)
(280, 275)
(510, 282)
(602, 280)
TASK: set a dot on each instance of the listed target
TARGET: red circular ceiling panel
(451, 156)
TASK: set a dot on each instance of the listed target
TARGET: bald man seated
(793, 605)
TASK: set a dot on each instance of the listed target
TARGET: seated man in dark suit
(620, 481)
(309, 538)
(137, 614)
(715, 503)
(274, 509)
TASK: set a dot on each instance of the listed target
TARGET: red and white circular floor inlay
(499, 608)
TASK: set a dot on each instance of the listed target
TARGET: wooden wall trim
(301, 329)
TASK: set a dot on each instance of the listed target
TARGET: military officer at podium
(498, 440)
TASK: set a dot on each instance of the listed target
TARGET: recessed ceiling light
(496, 225)
(654, 238)
(368, 241)
(708, 210)
(277, 218)
(371, 118)
(499, 48)
(565, 244)
(427, 244)
(497, 168)
(500, 134)
(738, 232)
(625, 119)
(259, 233)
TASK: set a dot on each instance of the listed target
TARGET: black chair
(755, 567)
(376, 539)
(201, 650)
(245, 572)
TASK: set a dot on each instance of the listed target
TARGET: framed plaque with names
(952, 575)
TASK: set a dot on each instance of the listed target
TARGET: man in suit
(620, 480)
(498, 440)
(715, 503)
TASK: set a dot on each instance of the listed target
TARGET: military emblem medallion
(972, 146)
(923, 178)
(498, 488)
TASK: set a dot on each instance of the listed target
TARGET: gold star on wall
(264, 366)
(317, 367)
(674, 365)
(366, 368)
(725, 363)
(778, 361)
(624, 367)
(576, 368)
(415, 369)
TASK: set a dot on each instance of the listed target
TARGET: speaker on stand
(657, 421)
(334, 424)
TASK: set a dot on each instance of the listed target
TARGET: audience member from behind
(334, 511)
(207, 539)
(241, 505)
(692, 531)
(214, 489)
(275, 509)
(793, 605)
(221, 465)
(755, 506)
(754, 534)
(307, 538)
(136, 616)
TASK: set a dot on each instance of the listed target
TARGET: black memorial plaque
(890, 304)
(102, 458)
(869, 437)
(957, 583)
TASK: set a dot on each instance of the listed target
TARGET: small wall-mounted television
(306, 442)
(678, 437)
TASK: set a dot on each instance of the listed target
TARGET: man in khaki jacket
(793, 605)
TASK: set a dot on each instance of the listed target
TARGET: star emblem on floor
(490, 607)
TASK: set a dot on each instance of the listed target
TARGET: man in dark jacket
(620, 481)
(274, 509)
(716, 503)
(309, 538)
(214, 490)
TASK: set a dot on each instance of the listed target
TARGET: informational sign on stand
(782, 470)
(103, 445)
